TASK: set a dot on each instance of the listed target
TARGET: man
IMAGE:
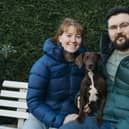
(115, 61)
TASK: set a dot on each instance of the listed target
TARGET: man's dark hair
(116, 10)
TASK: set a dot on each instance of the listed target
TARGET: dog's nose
(91, 67)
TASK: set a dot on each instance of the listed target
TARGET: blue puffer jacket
(53, 84)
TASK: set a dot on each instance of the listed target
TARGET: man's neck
(123, 52)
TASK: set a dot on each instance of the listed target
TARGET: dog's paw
(99, 120)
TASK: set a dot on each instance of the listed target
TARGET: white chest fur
(93, 91)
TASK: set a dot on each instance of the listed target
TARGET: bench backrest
(13, 101)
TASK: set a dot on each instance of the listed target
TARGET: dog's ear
(79, 60)
(98, 54)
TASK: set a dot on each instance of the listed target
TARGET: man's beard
(122, 47)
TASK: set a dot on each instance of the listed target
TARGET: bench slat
(13, 90)
(13, 114)
(5, 127)
(13, 104)
(15, 84)
(12, 94)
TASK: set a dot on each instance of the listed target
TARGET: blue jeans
(33, 123)
(89, 123)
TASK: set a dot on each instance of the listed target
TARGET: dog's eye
(86, 56)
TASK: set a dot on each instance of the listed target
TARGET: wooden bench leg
(20, 123)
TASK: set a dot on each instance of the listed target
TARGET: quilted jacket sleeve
(38, 82)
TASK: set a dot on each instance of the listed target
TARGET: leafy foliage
(25, 24)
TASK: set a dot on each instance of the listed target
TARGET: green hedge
(25, 24)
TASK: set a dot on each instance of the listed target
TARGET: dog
(93, 87)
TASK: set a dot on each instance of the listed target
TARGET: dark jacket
(117, 104)
(53, 84)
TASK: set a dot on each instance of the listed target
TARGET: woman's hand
(86, 108)
(70, 117)
(78, 102)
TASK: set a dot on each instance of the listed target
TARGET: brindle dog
(92, 91)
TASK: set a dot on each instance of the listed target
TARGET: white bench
(13, 102)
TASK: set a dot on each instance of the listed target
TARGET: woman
(55, 79)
